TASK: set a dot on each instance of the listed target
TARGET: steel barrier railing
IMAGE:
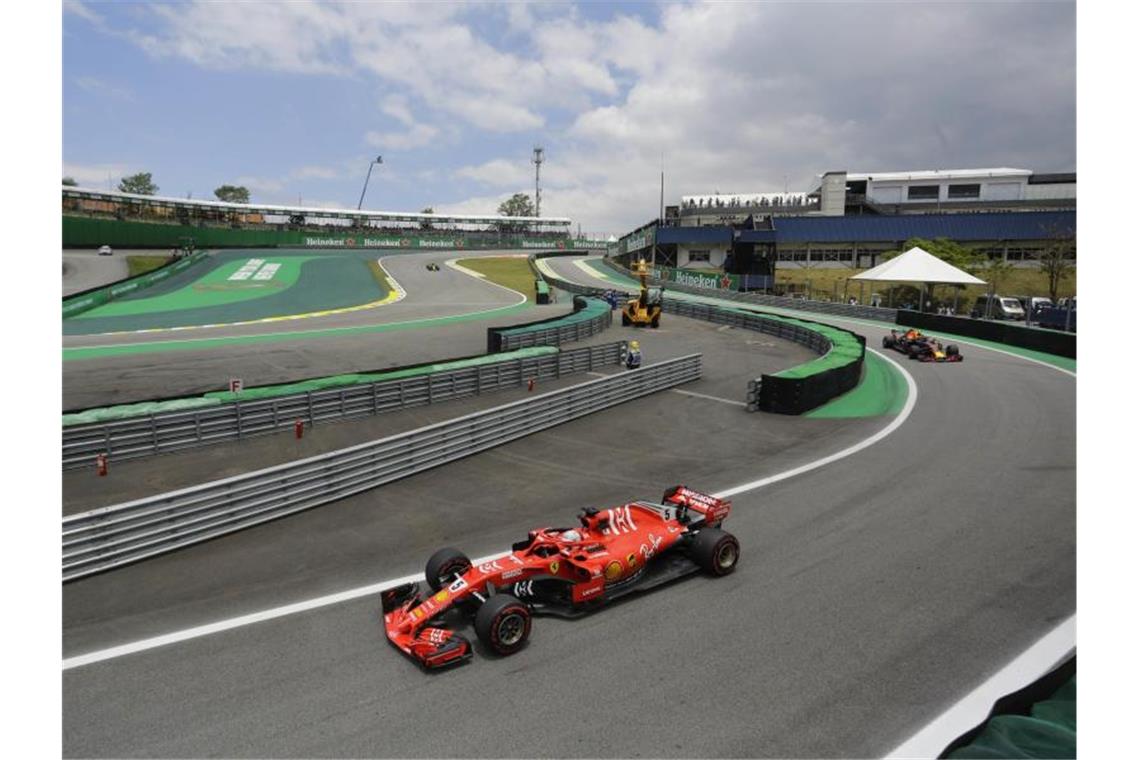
(112, 536)
(143, 436)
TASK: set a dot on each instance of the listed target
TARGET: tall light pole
(537, 161)
(379, 160)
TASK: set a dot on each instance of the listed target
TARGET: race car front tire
(444, 565)
(715, 551)
(951, 350)
(503, 624)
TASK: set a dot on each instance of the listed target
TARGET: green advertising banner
(88, 232)
(708, 281)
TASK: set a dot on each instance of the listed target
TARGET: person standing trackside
(633, 356)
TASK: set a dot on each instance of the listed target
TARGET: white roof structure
(916, 265)
(937, 174)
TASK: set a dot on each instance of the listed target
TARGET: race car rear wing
(714, 510)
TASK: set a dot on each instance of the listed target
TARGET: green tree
(518, 204)
(1058, 260)
(70, 182)
(139, 184)
(232, 194)
(424, 223)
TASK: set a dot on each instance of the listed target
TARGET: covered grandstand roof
(1013, 225)
(269, 210)
(937, 174)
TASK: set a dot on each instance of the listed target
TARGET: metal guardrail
(143, 436)
(112, 536)
(500, 340)
(781, 302)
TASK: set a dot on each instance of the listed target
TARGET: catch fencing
(113, 536)
(163, 432)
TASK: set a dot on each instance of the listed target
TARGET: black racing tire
(951, 350)
(502, 623)
(444, 565)
(656, 322)
(625, 319)
(715, 551)
(912, 352)
(887, 341)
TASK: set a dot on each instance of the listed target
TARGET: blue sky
(292, 100)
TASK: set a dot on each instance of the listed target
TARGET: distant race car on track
(921, 347)
(559, 571)
(433, 267)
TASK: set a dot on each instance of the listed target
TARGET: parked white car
(105, 250)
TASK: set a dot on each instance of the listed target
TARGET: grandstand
(96, 217)
(850, 220)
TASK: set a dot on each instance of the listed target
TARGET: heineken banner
(83, 232)
(709, 280)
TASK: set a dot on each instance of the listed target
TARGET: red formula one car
(921, 347)
(559, 571)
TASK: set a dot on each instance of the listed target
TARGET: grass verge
(510, 272)
(137, 265)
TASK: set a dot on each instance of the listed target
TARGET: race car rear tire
(444, 565)
(887, 341)
(715, 551)
(503, 624)
(951, 350)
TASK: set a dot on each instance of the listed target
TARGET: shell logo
(441, 597)
(613, 571)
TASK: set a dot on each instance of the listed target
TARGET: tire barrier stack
(176, 430)
(77, 303)
(792, 391)
(590, 317)
(1054, 342)
(760, 299)
(118, 535)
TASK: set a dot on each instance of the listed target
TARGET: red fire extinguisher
(299, 429)
(101, 464)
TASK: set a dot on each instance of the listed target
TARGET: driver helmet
(634, 345)
(571, 535)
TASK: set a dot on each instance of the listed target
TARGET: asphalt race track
(871, 593)
(84, 270)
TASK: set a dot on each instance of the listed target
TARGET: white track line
(972, 709)
(710, 398)
(344, 596)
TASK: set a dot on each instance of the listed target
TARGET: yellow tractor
(646, 308)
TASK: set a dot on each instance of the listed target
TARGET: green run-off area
(240, 286)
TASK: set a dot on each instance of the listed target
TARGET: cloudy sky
(293, 99)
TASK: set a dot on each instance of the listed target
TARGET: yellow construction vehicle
(646, 308)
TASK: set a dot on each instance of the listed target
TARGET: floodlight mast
(539, 157)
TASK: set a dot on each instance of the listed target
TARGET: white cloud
(82, 10)
(417, 136)
(96, 175)
(499, 172)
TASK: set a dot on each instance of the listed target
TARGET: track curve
(870, 593)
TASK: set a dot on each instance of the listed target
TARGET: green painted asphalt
(197, 344)
(882, 390)
(215, 288)
(322, 283)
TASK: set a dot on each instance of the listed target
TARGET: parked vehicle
(105, 250)
(1000, 307)
(1033, 304)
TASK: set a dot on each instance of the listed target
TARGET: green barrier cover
(593, 308)
(844, 348)
(216, 398)
(84, 232)
(86, 301)
(1050, 730)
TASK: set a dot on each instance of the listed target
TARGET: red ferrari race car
(921, 347)
(559, 571)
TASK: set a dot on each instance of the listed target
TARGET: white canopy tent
(916, 265)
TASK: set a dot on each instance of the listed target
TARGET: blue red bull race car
(557, 571)
(923, 348)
